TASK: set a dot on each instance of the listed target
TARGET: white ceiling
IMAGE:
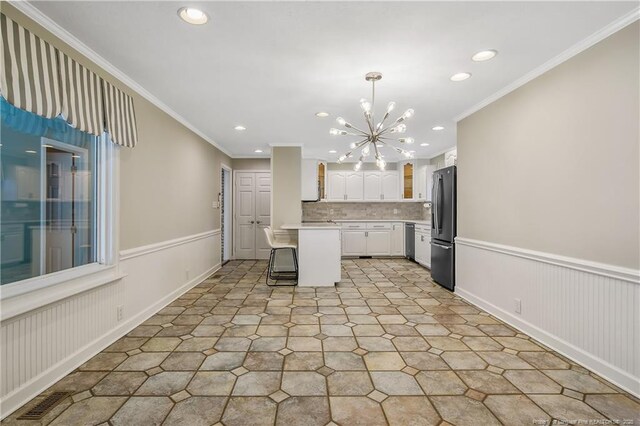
(270, 66)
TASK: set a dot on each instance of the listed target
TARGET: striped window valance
(38, 78)
(82, 105)
(120, 116)
(30, 77)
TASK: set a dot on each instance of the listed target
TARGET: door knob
(252, 222)
(258, 222)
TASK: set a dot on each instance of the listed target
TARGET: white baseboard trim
(610, 372)
(37, 385)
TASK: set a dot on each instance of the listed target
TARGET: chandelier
(377, 135)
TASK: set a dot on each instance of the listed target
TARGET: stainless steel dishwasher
(409, 241)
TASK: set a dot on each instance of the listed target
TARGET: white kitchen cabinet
(423, 248)
(354, 242)
(390, 187)
(381, 186)
(345, 186)
(378, 242)
(372, 239)
(397, 239)
(372, 186)
(354, 187)
(337, 185)
(415, 177)
(424, 182)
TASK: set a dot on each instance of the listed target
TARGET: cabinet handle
(422, 238)
(366, 234)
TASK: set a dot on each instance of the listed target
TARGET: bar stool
(272, 273)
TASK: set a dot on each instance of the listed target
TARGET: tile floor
(387, 346)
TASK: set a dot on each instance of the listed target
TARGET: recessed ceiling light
(437, 128)
(29, 151)
(333, 151)
(258, 151)
(240, 128)
(424, 144)
(47, 146)
(461, 76)
(322, 114)
(193, 16)
(75, 156)
(484, 55)
(412, 151)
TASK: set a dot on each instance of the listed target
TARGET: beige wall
(168, 182)
(252, 164)
(285, 186)
(554, 165)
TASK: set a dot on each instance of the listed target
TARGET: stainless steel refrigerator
(443, 227)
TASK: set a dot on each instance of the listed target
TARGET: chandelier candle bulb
(390, 106)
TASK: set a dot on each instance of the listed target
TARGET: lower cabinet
(354, 242)
(423, 248)
(397, 239)
(373, 239)
(378, 243)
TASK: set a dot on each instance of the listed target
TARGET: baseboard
(37, 385)
(611, 373)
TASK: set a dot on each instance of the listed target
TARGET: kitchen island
(319, 252)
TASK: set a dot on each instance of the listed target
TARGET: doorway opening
(225, 215)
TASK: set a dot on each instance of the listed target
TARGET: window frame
(33, 293)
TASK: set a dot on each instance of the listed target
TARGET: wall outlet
(119, 310)
(330, 211)
(395, 211)
(517, 306)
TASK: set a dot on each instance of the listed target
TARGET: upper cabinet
(390, 185)
(345, 186)
(416, 177)
(410, 182)
(381, 186)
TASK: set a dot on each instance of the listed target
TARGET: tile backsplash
(322, 211)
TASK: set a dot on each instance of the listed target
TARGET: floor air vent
(45, 406)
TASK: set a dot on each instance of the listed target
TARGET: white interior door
(245, 241)
(263, 213)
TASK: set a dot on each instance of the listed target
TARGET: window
(50, 196)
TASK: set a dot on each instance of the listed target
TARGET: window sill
(24, 296)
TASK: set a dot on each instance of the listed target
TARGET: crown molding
(579, 47)
(50, 25)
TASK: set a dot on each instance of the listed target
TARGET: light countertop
(419, 222)
(312, 225)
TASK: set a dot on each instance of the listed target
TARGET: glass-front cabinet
(416, 178)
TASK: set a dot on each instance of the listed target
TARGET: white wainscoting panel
(41, 346)
(587, 311)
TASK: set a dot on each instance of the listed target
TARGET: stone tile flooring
(386, 346)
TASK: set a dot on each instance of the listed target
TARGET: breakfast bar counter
(319, 253)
